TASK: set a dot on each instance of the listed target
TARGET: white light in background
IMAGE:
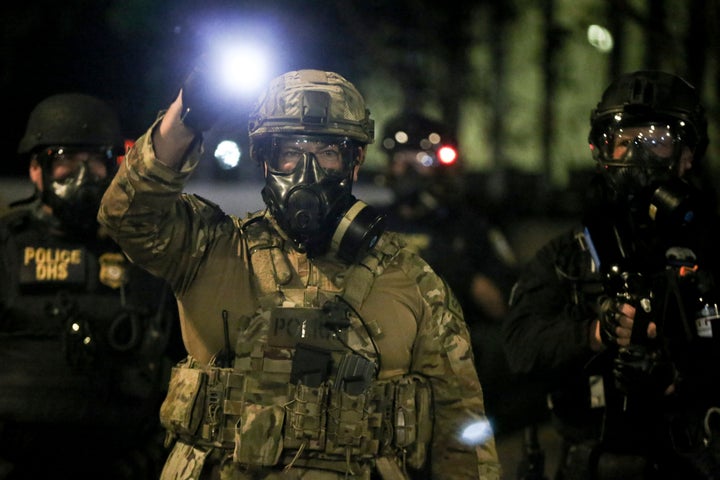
(600, 38)
(227, 154)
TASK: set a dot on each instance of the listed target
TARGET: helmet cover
(312, 102)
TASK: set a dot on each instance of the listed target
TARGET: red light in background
(129, 143)
(447, 155)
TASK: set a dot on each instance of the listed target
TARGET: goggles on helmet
(336, 156)
(650, 145)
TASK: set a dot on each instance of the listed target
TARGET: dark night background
(515, 79)
(134, 54)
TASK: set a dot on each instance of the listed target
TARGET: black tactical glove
(609, 313)
(644, 370)
(201, 98)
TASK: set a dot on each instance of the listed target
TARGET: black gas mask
(308, 190)
(639, 168)
(74, 181)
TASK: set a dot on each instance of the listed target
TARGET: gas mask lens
(67, 165)
(652, 146)
(74, 180)
(336, 156)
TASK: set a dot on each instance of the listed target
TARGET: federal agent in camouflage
(318, 346)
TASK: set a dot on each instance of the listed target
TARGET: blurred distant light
(227, 154)
(434, 138)
(447, 155)
(477, 432)
(424, 159)
(401, 137)
(600, 38)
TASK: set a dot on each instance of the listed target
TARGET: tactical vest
(302, 388)
(83, 325)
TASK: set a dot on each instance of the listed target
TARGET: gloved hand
(644, 370)
(201, 98)
(609, 314)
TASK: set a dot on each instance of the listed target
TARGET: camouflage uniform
(218, 270)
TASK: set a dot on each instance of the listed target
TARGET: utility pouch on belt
(258, 438)
(412, 422)
(182, 410)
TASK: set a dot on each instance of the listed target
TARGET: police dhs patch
(113, 270)
(43, 264)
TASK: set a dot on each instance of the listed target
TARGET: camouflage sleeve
(463, 444)
(146, 213)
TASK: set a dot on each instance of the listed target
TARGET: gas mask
(308, 190)
(75, 195)
(639, 166)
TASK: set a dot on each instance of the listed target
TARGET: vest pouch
(184, 461)
(413, 419)
(347, 424)
(305, 417)
(183, 408)
(258, 437)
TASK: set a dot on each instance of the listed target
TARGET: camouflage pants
(186, 462)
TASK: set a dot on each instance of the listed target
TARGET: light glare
(242, 69)
(227, 154)
(477, 432)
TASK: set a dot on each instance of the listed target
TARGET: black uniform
(84, 355)
(611, 408)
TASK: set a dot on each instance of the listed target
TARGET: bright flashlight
(241, 69)
(244, 68)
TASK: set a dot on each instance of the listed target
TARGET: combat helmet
(63, 125)
(650, 96)
(311, 102)
(72, 120)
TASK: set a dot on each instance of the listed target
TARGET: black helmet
(639, 131)
(72, 120)
(69, 124)
(649, 96)
(415, 131)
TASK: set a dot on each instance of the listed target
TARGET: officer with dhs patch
(319, 347)
(83, 333)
